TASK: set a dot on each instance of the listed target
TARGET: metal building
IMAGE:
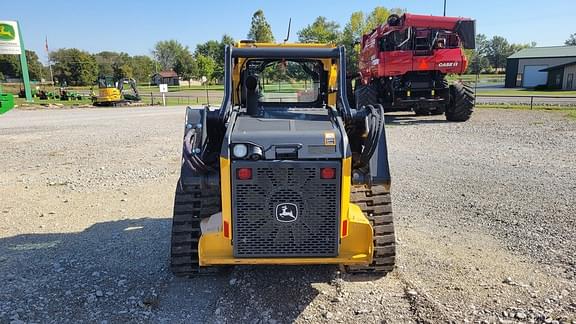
(530, 67)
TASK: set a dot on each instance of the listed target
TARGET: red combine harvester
(403, 66)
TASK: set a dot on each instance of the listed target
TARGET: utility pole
(444, 8)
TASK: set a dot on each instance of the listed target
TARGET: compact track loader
(284, 171)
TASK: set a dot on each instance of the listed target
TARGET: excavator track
(376, 204)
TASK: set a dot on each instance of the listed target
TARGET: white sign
(9, 38)
(204, 79)
(163, 88)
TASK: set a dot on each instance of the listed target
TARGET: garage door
(533, 76)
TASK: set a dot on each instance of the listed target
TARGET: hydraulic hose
(374, 116)
(194, 154)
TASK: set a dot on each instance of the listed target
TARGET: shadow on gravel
(118, 271)
(115, 267)
(411, 119)
(273, 293)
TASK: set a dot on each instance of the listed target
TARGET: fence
(552, 101)
(199, 99)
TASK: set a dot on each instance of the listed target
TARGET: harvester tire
(191, 204)
(365, 94)
(377, 206)
(461, 103)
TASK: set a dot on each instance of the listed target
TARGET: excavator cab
(111, 92)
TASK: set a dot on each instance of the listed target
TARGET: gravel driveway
(485, 222)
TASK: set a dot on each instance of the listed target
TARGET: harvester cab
(404, 63)
(285, 171)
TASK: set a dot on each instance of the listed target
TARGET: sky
(135, 26)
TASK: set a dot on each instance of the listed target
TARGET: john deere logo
(286, 212)
(7, 32)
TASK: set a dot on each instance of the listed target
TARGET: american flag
(46, 44)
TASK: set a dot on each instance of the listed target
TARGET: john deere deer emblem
(286, 212)
(7, 32)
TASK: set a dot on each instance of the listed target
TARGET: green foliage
(215, 50)
(117, 65)
(379, 16)
(185, 65)
(167, 52)
(321, 31)
(571, 41)
(74, 67)
(260, 29)
(142, 68)
(358, 25)
(10, 66)
(206, 66)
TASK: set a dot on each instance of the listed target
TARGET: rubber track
(461, 103)
(377, 206)
(190, 206)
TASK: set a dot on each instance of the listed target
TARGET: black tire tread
(365, 94)
(461, 103)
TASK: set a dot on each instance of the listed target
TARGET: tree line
(77, 67)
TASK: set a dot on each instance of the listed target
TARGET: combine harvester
(403, 65)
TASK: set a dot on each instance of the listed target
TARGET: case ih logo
(7, 32)
(286, 212)
(448, 64)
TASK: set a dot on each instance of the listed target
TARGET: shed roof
(168, 74)
(556, 67)
(542, 52)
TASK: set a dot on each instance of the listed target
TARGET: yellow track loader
(285, 171)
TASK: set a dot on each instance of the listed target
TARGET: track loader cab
(284, 172)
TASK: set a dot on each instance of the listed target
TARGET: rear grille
(281, 188)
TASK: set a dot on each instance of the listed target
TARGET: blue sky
(135, 26)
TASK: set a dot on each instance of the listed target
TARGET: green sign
(7, 32)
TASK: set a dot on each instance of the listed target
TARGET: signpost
(11, 42)
(205, 81)
(163, 90)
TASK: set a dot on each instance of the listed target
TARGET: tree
(166, 52)
(10, 66)
(350, 37)
(74, 67)
(215, 50)
(321, 31)
(497, 52)
(185, 65)
(477, 60)
(358, 25)
(206, 66)
(260, 30)
(142, 68)
(379, 16)
(571, 41)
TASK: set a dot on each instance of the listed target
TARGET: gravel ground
(485, 222)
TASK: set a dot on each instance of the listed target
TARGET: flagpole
(50, 67)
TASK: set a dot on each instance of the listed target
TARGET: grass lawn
(525, 92)
(20, 101)
(569, 112)
(482, 78)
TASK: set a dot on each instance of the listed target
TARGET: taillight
(345, 228)
(327, 173)
(244, 174)
(226, 229)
